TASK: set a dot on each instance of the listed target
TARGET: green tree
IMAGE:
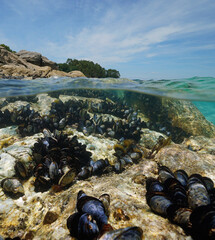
(7, 48)
(89, 68)
(112, 73)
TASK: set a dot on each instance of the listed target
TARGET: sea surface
(199, 90)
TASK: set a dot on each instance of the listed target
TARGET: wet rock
(184, 115)
(150, 138)
(50, 217)
(179, 118)
(176, 156)
(7, 163)
(139, 179)
(200, 144)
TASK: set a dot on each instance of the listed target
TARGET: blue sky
(141, 38)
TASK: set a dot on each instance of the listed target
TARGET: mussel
(92, 206)
(129, 233)
(82, 226)
(203, 222)
(12, 186)
(156, 197)
(197, 192)
(164, 173)
(21, 169)
(91, 218)
(176, 192)
(182, 177)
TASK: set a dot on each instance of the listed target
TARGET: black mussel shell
(176, 192)
(209, 184)
(105, 198)
(87, 227)
(21, 170)
(159, 204)
(180, 216)
(85, 172)
(92, 206)
(164, 173)
(99, 166)
(82, 226)
(195, 178)
(203, 222)
(197, 193)
(182, 177)
(153, 185)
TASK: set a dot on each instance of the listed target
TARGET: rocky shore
(29, 65)
(43, 215)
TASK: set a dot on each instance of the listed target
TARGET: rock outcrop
(36, 59)
(30, 65)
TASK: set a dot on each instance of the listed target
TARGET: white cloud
(124, 32)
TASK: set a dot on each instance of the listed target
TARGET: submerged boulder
(180, 118)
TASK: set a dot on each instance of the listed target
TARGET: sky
(145, 39)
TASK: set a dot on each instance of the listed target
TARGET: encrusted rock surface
(43, 215)
(186, 116)
(181, 118)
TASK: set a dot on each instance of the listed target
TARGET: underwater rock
(179, 118)
(186, 116)
(150, 138)
(50, 217)
(200, 144)
(177, 156)
(7, 163)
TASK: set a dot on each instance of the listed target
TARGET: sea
(199, 90)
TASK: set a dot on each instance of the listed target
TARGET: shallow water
(104, 114)
(200, 90)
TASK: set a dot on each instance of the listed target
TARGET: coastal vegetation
(89, 68)
(7, 48)
(71, 68)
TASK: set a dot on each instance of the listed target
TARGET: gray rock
(7, 163)
(32, 57)
(36, 58)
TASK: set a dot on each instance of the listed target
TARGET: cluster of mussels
(91, 221)
(127, 153)
(186, 201)
(59, 159)
(76, 112)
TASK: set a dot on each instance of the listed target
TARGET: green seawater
(200, 90)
